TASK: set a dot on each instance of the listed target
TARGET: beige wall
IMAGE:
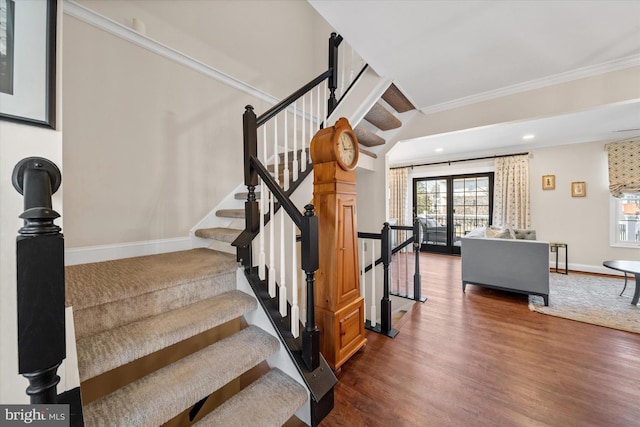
(151, 146)
(581, 222)
(18, 141)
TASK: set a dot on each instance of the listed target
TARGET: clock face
(346, 149)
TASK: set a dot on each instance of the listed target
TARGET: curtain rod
(461, 160)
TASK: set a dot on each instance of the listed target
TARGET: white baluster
(276, 157)
(272, 250)
(374, 312)
(303, 143)
(311, 131)
(295, 143)
(326, 101)
(351, 67)
(318, 110)
(295, 310)
(286, 153)
(262, 257)
(283, 282)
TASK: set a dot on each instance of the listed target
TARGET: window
(625, 214)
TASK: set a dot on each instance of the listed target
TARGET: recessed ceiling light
(528, 136)
(439, 150)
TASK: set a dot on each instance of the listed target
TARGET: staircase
(382, 117)
(162, 340)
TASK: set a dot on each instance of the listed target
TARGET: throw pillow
(477, 232)
(499, 233)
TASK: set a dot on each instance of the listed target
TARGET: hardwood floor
(481, 358)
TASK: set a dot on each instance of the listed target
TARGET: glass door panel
(471, 205)
(431, 207)
(449, 207)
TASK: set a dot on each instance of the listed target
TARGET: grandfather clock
(339, 305)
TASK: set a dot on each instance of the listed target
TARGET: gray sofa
(516, 265)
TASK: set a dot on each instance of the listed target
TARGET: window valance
(624, 167)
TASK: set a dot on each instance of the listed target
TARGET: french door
(448, 207)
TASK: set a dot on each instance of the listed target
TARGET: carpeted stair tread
(368, 138)
(269, 401)
(245, 195)
(230, 213)
(96, 319)
(382, 118)
(110, 349)
(397, 100)
(221, 234)
(92, 284)
(158, 397)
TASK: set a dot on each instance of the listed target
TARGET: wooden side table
(553, 247)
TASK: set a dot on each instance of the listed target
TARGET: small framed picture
(548, 182)
(578, 189)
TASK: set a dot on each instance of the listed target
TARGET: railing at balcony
(396, 243)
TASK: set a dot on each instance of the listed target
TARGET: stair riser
(100, 318)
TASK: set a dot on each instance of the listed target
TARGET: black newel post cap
(37, 179)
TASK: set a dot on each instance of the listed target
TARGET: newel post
(334, 42)
(252, 215)
(417, 280)
(40, 280)
(385, 302)
(310, 263)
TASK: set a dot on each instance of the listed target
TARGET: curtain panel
(398, 190)
(511, 192)
(624, 167)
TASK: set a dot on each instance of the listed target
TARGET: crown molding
(579, 73)
(88, 16)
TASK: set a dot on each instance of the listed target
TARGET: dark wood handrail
(277, 191)
(273, 111)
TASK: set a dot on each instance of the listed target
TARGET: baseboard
(586, 268)
(87, 254)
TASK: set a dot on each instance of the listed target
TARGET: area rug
(590, 299)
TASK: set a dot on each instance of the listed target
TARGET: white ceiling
(444, 54)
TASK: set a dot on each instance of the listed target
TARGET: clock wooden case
(339, 305)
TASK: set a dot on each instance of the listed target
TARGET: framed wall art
(27, 61)
(578, 189)
(548, 182)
